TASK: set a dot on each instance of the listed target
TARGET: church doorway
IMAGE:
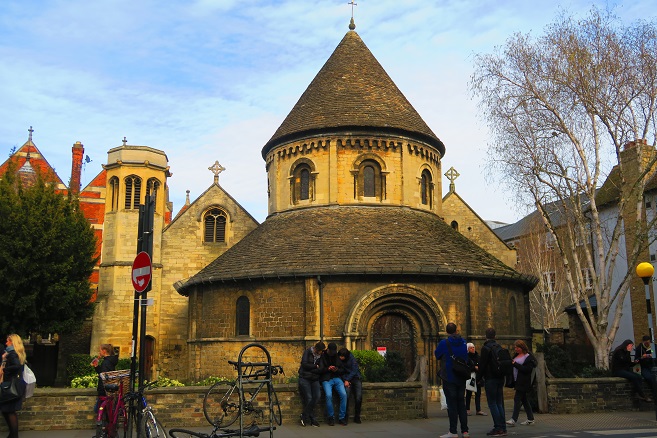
(395, 332)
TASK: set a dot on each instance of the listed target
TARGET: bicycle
(144, 417)
(112, 417)
(222, 403)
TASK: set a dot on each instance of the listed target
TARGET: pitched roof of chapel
(354, 240)
(352, 92)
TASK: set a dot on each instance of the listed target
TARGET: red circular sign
(141, 272)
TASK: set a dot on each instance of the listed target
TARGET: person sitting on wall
(309, 387)
(644, 354)
(352, 381)
(621, 366)
(331, 379)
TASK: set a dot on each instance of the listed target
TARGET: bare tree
(560, 108)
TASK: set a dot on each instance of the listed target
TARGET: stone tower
(132, 173)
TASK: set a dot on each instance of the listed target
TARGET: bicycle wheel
(182, 433)
(150, 427)
(276, 408)
(221, 404)
(101, 424)
(121, 427)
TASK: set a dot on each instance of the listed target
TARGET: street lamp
(645, 271)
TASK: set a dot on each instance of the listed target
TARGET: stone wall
(574, 396)
(53, 408)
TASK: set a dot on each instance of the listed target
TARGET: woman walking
(13, 360)
(523, 365)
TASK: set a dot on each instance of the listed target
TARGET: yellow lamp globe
(645, 270)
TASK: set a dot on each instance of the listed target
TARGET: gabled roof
(29, 159)
(352, 92)
(355, 240)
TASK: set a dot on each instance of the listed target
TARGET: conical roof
(355, 240)
(352, 92)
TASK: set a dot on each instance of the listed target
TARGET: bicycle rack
(243, 378)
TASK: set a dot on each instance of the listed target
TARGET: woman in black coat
(474, 359)
(621, 366)
(523, 366)
(13, 360)
(104, 362)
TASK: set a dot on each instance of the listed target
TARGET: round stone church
(359, 247)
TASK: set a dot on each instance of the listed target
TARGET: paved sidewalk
(615, 424)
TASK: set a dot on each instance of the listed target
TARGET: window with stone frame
(242, 317)
(214, 223)
(132, 192)
(114, 193)
(513, 312)
(302, 183)
(152, 187)
(426, 188)
(369, 180)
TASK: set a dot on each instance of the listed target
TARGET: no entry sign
(141, 272)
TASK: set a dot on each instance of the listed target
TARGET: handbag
(30, 381)
(10, 391)
(471, 383)
(460, 367)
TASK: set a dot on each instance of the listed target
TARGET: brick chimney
(76, 167)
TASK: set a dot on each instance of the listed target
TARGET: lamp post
(645, 271)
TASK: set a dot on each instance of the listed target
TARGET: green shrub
(78, 365)
(90, 381)
(592, 372)
(558, 361)
(368, 360)
(393, 369)
(165, 382)
(209, 381)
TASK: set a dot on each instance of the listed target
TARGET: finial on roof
(187, 199)
(29, 138)
(352, 25)
(125, 140)
(216, 168)
(451, 175)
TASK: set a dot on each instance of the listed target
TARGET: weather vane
(451, 175)
(352, 3)
(216, 168)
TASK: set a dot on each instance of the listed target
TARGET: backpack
(501, 365)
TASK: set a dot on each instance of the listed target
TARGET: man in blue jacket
(453, 386)
(352, 381)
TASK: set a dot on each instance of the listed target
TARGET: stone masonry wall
(575, 396)
(61, 409)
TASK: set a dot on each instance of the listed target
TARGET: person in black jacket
(353, 381)
(105, 361)
(13, 361)
(309, 382)
(621, 366)
(523, 365)
(494, 385)
(644, 354)
(474, 360)
(331, 378)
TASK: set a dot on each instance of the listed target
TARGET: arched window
(242, 316)
(302, 183)
(426, 188)
(152, 187)
(369, 180)
(132, 192)
(215, 226)
(513, 315)
(114, 193)
(455, 225)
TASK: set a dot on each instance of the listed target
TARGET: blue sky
(212, 80)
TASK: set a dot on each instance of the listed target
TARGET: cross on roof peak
(216, 168)
(352, 25)
(451, 175)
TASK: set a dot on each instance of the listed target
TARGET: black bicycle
(144, 417)
(224, 401)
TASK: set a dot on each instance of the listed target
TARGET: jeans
(337, 384)
(477, 397)
(356, 388)
(646, 373)
(310, 394)
(633, 377)
(495, 395)
(455, 395)
(521, 399)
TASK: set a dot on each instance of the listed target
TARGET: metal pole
(651, 332)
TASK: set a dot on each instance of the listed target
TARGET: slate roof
(352, 92)
(354, 240)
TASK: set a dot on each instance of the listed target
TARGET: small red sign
(141, 272)
(381, 350)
